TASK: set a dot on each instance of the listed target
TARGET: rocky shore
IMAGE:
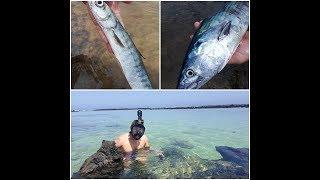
(107, 163)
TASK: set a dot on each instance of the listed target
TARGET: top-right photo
(205, 45)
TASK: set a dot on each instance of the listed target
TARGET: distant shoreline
(188, 107)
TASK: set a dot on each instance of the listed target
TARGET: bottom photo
(159, 134)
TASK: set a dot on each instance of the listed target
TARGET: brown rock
(107, 162)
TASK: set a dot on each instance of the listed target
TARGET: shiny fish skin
(213, 44)
(122, 45)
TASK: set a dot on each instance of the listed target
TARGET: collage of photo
(159, 90)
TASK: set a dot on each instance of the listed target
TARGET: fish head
(194, 74)
(102, 13)
(206, 57)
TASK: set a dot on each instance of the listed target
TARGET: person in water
(134, 140)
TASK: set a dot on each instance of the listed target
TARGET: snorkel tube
(137, 128)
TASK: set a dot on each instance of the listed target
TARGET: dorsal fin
(225, 30)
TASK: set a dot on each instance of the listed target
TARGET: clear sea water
(190, 135)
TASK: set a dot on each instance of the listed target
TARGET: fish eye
(190, 73)
(99, 3)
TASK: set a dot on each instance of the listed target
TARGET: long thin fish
(213, 44)
(121, 44)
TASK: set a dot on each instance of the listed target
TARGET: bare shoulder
(120, 139)
(125, 135)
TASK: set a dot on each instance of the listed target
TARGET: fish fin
(118, 41)
(225, 30)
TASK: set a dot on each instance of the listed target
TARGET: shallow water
(186, 137)
(141, 20)
(177, 19)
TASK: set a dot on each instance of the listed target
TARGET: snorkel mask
(137, 128)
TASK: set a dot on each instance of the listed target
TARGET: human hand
(241, 55)
(114, 5)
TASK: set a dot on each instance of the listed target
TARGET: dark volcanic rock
(107, 162)
(236, 155)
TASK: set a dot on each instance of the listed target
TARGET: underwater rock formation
(220, 169)
(236, 155)
(107, 162)
(176, 163)
(182, 144)
(234, 163)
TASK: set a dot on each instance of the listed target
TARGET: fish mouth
(193, 85)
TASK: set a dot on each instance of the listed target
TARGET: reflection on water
(187, 139)
(141, 20)
(177, 20)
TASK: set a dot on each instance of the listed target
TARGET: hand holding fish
(241, 55)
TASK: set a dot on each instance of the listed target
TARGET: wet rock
(107, 162)
(236, 155)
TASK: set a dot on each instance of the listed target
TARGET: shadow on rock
(107, 162)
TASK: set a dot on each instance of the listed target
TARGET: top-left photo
(114, 45)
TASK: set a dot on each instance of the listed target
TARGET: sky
(88, 100)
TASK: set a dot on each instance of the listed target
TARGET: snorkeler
(135, 139)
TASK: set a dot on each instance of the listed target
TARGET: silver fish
(122, 45)
(213, 44)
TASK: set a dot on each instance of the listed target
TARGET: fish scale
(122, 45)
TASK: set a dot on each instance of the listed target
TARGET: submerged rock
(107, 162)
(182, 144)
(234, 164)
(220, 169)
(236, 155)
